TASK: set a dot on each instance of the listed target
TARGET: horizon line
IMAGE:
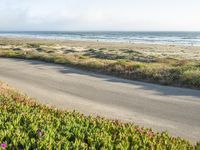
(99, 31)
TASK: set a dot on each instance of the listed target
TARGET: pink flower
(3, 145)
(39, 132)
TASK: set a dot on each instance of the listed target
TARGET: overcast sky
(135, 15)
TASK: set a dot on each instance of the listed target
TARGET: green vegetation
(167, 65)
(33, 45)
(28, 125)
(166, 71)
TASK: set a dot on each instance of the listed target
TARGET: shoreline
(88, 41)
(97, 41)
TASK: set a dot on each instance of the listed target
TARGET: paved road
(162, 108)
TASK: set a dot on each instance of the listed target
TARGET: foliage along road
(159, 107)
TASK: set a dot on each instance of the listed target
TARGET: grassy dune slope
(143, 65)
(28, 125)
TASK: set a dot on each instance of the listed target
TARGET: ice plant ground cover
(25, 124)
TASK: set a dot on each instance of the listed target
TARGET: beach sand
(156, 50)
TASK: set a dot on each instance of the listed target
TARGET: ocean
(174, 38)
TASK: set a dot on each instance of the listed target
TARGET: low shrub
(39, 49)
(191, 77)
(165, 71)
(26, 125)
(33, 45)
(16, 49)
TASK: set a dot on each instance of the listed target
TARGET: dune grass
(26, 124)
(166, 71)
(162, 64)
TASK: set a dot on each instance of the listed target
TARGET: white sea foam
(177, 38)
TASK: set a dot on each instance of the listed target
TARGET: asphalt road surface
(162, 108)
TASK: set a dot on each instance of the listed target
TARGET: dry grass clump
(122, 62)
(165, 71)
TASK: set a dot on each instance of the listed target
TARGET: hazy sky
(133, 15)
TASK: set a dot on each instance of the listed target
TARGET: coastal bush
(39, 49)
(197, 147)
(130, 51)
(26, 125)
(165, 71)
(17, 49)
(191, 77)
(33, 45)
